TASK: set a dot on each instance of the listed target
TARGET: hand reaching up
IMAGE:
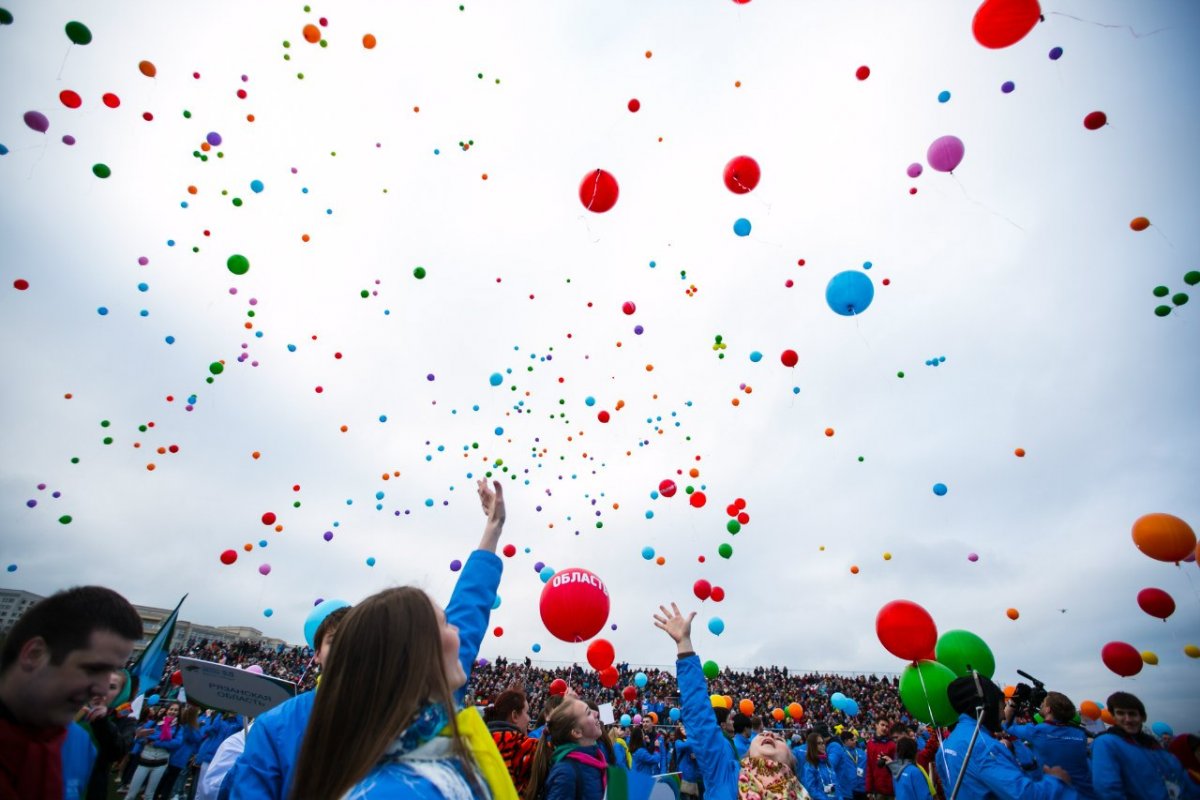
(677, 626)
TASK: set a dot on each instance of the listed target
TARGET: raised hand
(492, 500)
(677, 626)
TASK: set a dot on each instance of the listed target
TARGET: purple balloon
(973, 557)
(37, 120)
(213, 138)
(1007, 87)
(455, 565)
(914, 170)
(264, 569)
(945, 153)
(68, 139)
(539, 566)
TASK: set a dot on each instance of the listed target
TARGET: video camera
(1028, 698)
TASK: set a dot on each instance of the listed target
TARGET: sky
(455, 149)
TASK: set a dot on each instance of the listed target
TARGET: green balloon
(733, 526)
(725, 550)
(1162, 311)
(1179, 299)
(216, 368)
(101, 170)
(419, 273)
(6, 17)
(65, 519)
(1192, 278)
(78, 33)
(923, 688)
(1161, 291)
(238, 264)
(711, 670)
(962, 651)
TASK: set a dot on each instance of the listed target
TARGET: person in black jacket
(111, 732)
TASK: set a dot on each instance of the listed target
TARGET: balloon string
(1188, 575)
(1164, 236)
(1129, 28)
(937, 730)
(64, 61)
(984, 207)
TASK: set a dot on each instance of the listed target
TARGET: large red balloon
(667, 488)
(742, 174)
(905, 629)
(702, 589)
(600, 654)
(574, 605)
(1121, 658)
(789, 358)
(1156, 603)
(1002, 23)
(609, 677)
(598, 191)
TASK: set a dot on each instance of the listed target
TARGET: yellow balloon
(717, 700)
(1149, 657)
(1191, 650)
(887, 556)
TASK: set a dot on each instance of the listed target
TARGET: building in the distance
(15, 602)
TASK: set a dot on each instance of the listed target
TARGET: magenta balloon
(914, 170)
(945, 153)
(37, 120)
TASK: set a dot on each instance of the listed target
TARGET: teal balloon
(923, 688)
(849, 293)
(742, 227)
(674, 714)
(716, 626)
(963, 651)
(626, 721)
(640, 680)
(837, 700)
(546, 574)
(318, 614)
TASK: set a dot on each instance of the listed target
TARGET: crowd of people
(392, 717)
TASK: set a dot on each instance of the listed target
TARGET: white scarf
(435, 761)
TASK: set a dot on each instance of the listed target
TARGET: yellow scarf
(473, 732)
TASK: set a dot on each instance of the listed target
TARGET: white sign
(606, 714)
(227, 688)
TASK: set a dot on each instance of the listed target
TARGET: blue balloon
(640, 680)
(837, 700)
(850, 708)
(546, 574)
(152, 700)
(674, 714)
(742, 227)
(756, 356)
(647, 552)
(716, 626)
(626, 721)
(943, 96)
(317, 616)
(496, 379)
(849, 293)
(256, 186)
(1162, 729)
(537, 648)
(940, 489)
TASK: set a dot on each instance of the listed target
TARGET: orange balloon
(777, 713)
(829, 431)
(312, 34)
(1019, 452)
(854, 570)
(654, 717)
(1013, 613)
(1139, 223)
(728, 701)
(369, 41)
(795, 711)
(1164, 537)
(746, 707)
(147, 69)
(1009, 691)
(1106, 717)
(1089, 710)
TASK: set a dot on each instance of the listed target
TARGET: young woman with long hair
(385, 722)
(569, 763)
(816, 773)
(508, 722)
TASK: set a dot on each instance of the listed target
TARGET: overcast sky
(1020, 269)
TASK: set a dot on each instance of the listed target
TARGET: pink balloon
(946, 153)
(914, 170)
(255, 668)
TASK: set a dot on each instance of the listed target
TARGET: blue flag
(148, 669)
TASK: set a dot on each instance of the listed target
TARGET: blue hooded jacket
(1058, 745)
(849, 765)
(185, 741)
(78, 756)
(215, 732)
(645, 761)
(993, 771)
(1124, 769)
(910, 784)
(685, 760)
(716, 758)
(273, 745)
(561, 780)
(815, 779)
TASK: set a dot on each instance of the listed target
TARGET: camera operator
(1056, 740)
(988, 768)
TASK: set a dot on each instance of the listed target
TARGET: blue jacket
(742, 742)
(1124, 769)
(911, 784)
(645, 761)
(560, 781)
(685, 760)
(184, 743)
(849, 766)
(78, 756)
(273, 745)
(215, 732)
(1060, 746)
(815, 779)
(716, 758)
(993, 771)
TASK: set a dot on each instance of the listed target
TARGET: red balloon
(731, 510)
(228, 557)
(740, 503)
(510, 550)
(628, 307)
(906, 630)
(789, 358)
(268, 518)
(667, 488)
(1156, 603)
(697, 499)
(1002, 23)
(629, 693)
(177, 678)
(1095, 120)
(574, 605)
(743, 518)
(742, 174)
(718, 594)
(600, 654)
(111, 100)
(498, 631)
(1121, 658)
(702, 589)
(634, 105)
(862, 73)
(558, 686)
(70, 99)
(603, 416)
(598, 191)
(609, 677)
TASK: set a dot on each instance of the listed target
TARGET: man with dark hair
(742, 734)
(991, 770)
(878, 777)
(1127, 762)
(849, 764)
(323, 638)
(1056, 740)
(61, 653)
